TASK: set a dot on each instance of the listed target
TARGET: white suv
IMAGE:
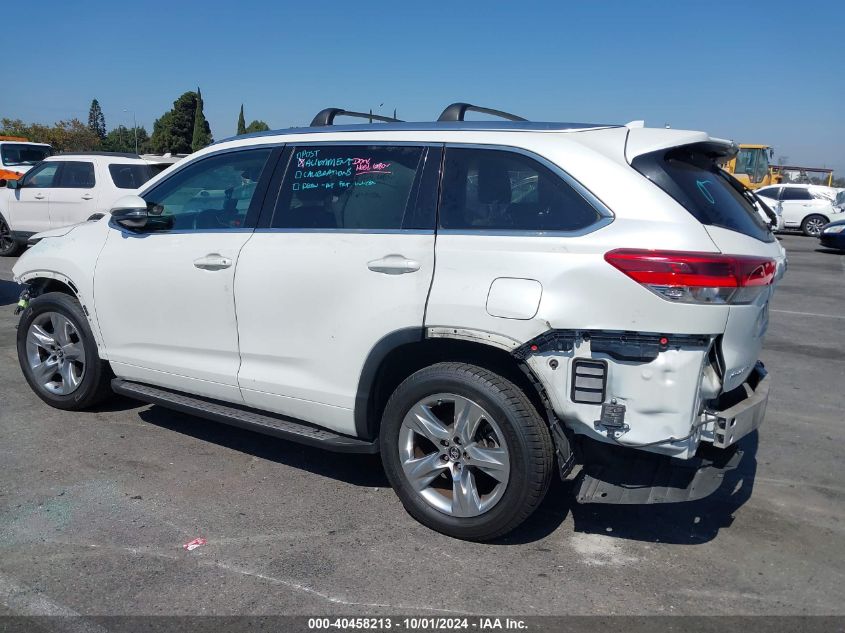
(63, 190)
(477, 301)
(802, 207)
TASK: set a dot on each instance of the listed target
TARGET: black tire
(811, 225)
(95, 383)
(9, 247)
(531, 453)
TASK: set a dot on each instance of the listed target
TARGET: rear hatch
(691, 175)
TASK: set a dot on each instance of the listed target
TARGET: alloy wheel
(55, 353)
(814, 226)
(454, 455)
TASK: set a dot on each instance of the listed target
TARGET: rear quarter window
(697, 183)
(129, 175)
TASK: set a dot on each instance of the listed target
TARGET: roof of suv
(429, 126)
(123, 157)
(623, 148)
(20, 141)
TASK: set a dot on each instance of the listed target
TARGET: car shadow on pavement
(686, 523)
(9, 292)
(830, 251)
(358, 470)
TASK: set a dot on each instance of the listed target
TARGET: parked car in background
(159, 162)
(63, 190)
(801, 207)
(484, 303)
(823, 191)
(18, 155)
(833, 235)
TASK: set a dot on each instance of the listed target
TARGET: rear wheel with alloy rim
(466, 451)
(58, 354)
(812, 225)
(9, 246)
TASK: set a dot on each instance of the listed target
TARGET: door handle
(39, 196)
(87, 196)
(394, 265)
(213, 261)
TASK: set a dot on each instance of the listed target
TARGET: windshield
(840, 199)
(761, 165)
(753, 162)
(23, 154)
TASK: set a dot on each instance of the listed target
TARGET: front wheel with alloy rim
(9, 246)
(466, 451)
(58, 353)
(812, 225)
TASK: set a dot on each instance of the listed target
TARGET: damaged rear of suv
(483, 303)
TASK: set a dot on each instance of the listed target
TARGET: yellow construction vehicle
(752, 166)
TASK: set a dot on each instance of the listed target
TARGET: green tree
(241, 122)
(202, 131)
(96, 120)
(174, 130)
(257, 126)
(122, 139)
(65, 136)
(14, 127)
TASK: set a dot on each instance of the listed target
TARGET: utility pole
(134, 127)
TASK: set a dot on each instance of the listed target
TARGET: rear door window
(129, 175)
(796, 193)
(76, 175)
(698, 184)
(348, 187)
(487, 189)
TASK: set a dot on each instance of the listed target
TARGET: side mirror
(13, 184)
(130, 212)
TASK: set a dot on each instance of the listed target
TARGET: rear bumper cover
(621, 476)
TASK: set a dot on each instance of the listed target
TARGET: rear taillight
(690, 277)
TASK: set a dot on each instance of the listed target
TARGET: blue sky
(765, 72)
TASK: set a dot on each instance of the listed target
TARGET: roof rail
(456, 112)
(115, 154)
(326, 117)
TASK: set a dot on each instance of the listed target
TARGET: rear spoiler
(647, 140)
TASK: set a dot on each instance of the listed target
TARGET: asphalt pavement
(95, 509)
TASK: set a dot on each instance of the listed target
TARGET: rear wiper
(752, 197)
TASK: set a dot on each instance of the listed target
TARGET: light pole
(134, 127)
